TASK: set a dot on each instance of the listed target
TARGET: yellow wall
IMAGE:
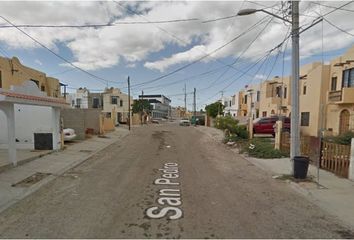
(270, 102)
(338, 65)
(108, 107)
(316, 80)
(14, 73)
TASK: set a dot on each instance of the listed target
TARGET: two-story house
(116, 105)
(340, 107)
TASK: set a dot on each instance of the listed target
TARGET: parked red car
(266, 125)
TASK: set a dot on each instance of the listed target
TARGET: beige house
(340, 108)
(13, 73)
(313, 87)
(275, 97)
(115, 105)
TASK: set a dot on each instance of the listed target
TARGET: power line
(221, 18)
(324, 5)
(57, 55)
(234, 62)
(199, 59)
(97, 25)
(177, 38)
(340, 29)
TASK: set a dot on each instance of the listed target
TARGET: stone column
(56, 128)
(351, 164)
(11, 137)
(278, 128)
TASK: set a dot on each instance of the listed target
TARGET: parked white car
(184, 122)
(69, 134)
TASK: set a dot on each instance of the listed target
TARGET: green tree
(214, 109)
(139, 105)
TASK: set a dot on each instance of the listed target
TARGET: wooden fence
(335, 158)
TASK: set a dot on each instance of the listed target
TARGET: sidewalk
(23, 156)
(333, 194)
(50, 166)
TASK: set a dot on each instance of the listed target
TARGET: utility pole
(142, 106)
(185, 100)
(195, 107)
(295, 130)
(129, 101)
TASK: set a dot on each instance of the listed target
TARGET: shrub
(262, 148)
(231, 125)
(344, 138)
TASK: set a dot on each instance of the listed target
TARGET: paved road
(221, 195)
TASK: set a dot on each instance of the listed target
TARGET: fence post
(351, 163)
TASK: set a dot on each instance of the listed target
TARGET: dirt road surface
(222, 195)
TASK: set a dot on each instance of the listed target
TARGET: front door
(344, 121)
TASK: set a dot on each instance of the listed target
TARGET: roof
(8, 96)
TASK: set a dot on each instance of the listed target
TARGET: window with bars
(114, 100)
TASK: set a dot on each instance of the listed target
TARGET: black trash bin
(301, 165)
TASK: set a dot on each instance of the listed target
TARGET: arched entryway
(344, 121)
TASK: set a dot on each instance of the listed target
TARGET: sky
(166, 45)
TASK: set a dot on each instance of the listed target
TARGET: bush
(262, 148)
(344, 138)
(231, 125)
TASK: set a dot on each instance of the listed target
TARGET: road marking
(169, 198)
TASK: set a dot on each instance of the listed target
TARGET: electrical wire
(340, 29)
(170, 34)
(242, 53)
(98, 25)
(102, 80)
(197, 60)
(323, 5)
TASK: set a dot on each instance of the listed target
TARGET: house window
(285, 91)
(95, 102)
(348, 78)
(78, 102)
(114, 100)
(278, 91)
(305, 118)
(121, 103)
(43, 88)
(245, 99)
(258, 98)
(0, 80)
(36, 82)
(230, 103)
(264, 114)
(304, 90)
(334, 84)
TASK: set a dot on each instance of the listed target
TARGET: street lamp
(295, 130)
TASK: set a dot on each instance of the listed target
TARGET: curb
(24, 161)
(55, 175)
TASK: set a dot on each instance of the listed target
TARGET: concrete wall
(81, 119)
(28, 120)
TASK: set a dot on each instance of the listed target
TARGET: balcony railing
(344, 96)
(335, 96)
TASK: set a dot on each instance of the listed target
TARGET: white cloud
(38, 62)
(260, 77)
(94, 49)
